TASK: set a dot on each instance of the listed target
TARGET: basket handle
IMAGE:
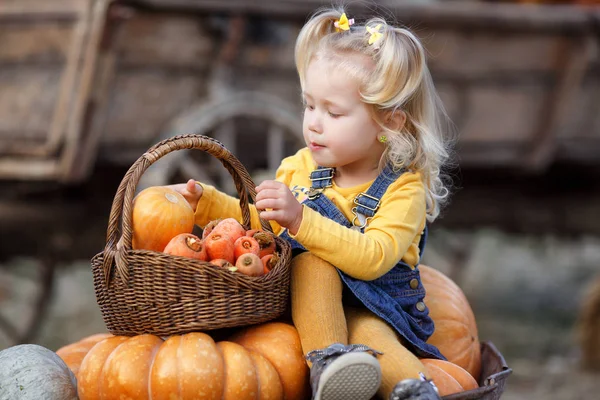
(121, 212)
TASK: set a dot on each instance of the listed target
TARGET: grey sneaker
(415, 389)
(341, 372)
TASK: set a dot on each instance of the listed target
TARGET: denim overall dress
(397, 296)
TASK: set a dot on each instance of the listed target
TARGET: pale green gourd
(32, 372)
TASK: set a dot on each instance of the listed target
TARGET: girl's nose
(314, 123)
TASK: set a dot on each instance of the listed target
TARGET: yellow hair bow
(343, 24)
(375, 34)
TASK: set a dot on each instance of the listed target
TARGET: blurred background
(86, 86)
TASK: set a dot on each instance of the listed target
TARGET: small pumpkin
(33, 372)
(266, 363)
(280, 344)
(73, 354)
(455, 332)
(449, 378)
(159, 214)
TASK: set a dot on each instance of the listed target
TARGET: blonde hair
(394, 77)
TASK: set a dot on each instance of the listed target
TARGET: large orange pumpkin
(193, 366)
(448, 377)
(455, 332)
(159, 214)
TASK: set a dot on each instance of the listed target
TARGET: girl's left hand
(280, 205)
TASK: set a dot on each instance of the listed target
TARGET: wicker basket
(142, 291)
(494, 373)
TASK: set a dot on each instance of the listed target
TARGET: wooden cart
(89, 84)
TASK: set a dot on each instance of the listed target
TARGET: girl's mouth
(315, 147)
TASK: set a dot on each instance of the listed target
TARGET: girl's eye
(309, 107)
(332, 115)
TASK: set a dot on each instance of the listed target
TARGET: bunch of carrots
(226, 243)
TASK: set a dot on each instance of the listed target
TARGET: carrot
(251, 232)
(209, 227)
(266, 241)
(230, 227)
(219, 246)
(187, 245)
(249, 264)
(219, 262)
(245, 244)
(269, 262)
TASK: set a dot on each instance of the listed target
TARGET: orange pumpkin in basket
(159, 214)
(455, 332)
(448, 377)
(262, 362)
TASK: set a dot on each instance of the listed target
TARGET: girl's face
(338, 128)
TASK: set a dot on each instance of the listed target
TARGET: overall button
(414, 283)
(420, 306)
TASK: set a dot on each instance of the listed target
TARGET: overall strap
(367, 203)
(321, 178)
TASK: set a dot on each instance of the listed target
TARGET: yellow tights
(320, 318)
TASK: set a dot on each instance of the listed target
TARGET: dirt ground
(545, 361)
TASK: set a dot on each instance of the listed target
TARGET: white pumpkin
(32, 372)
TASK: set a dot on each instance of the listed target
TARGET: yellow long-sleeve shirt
(392, 234)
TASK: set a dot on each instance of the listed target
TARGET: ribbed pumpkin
(73, 354)
(193, 366)
(159, 214)
(455, 332)
(448, 377)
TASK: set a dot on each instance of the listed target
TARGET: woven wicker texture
(142, 291)
(494, 373)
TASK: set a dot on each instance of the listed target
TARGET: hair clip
(343, 24)
(375, 34)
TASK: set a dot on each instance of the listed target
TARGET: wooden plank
(489, 15)
(142, 103)
(157, 40)
(27, 103)
(11, 10)
(39, 43)
(571, 61)
(94, 23)
(488, 53)
(495, 113)
(27, 169)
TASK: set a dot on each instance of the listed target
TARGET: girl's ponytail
(401, 60)
(400, 56)
(320, 25)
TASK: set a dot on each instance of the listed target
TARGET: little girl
(354, 205)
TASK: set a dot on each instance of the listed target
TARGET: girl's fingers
(191, 186)
(269, 184)
(270, 215)
(267, 194)
(267, 203)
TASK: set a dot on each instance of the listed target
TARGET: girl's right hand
(191, 191)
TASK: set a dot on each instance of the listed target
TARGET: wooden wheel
(258, 128)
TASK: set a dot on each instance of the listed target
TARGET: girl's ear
(395, 120)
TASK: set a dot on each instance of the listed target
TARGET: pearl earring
(383, 138)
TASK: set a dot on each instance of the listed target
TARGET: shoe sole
(353, 376)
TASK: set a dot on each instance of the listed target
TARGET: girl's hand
(280, 204)
(190, 190)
